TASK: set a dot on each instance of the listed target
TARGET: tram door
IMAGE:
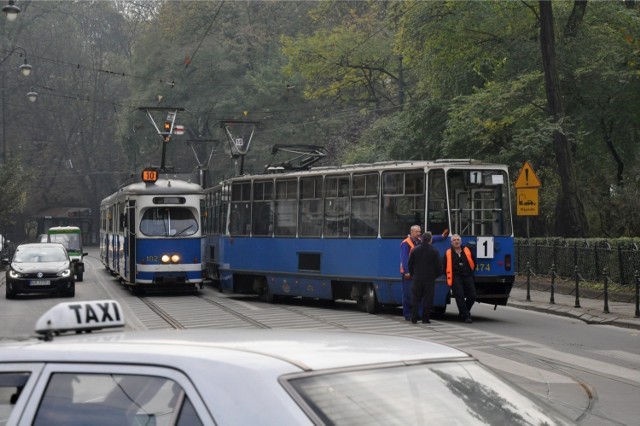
(130, 272)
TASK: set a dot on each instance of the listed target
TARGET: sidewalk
(591, 311)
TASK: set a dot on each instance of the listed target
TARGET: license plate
(40, 282)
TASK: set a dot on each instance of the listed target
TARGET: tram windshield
(168, 222)
(479, 202)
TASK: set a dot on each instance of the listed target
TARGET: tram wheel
(266, 295)
(369, 304)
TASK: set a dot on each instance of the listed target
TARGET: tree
(570, 217)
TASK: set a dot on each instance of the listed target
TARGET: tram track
(247, 312)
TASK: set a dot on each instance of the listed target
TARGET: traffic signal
(167, 131)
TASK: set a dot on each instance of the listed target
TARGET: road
(589, 372)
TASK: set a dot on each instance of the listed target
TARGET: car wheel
(80, 276)
(10, 294)
(71, 291)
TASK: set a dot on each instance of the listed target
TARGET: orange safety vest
(411, 247)
(449, 270)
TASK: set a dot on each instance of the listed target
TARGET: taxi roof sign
(527, 178)
(80, 316)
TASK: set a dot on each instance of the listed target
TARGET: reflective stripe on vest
(411, 247)
(449, 270)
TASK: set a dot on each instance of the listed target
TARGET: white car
(244, 377)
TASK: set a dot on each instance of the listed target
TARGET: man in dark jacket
(424, 266)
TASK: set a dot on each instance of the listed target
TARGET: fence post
(528, 282)
(623, 278)
(605, 276)
(552, 300)
(637, 277)
(577, 305)
(596, 260)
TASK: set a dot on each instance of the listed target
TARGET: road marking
(515, 368)
(586, 363)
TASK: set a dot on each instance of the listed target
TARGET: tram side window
(364, 203)
(336, 206)
(112, 218)
(263, 208)
(285, 208)
(310, 213)
(402, 202)
(240, 214)
(437, 213)
(224, 204)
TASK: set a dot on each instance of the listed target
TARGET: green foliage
(13, 196)
(329, 73)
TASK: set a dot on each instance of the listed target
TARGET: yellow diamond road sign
(527, 178)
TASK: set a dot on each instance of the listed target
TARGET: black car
(40, 268)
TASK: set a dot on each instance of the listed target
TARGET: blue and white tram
(335, 232)
(150, 234)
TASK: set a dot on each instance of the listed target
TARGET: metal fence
(595, 261)
(589, 260)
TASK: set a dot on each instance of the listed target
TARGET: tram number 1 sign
(484, 248)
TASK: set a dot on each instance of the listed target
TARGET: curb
(570, 312)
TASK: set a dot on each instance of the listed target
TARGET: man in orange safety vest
(459, 264)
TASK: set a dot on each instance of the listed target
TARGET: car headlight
(175, 258)
(15, 274)
(64, 273)
(165, 258)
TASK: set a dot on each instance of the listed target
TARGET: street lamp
(32, 95)
(11, 10)
(24, 69)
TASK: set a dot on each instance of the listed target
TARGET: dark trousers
(464, 291)
(407, 291)
(422, 291)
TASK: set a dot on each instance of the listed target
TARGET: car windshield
(41, 254)
(451, 393)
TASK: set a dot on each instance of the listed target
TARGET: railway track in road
(520, 361)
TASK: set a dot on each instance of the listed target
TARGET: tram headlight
(170, 258)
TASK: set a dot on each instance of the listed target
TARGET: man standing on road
(424, 266)
(408, 244)
(459, 264)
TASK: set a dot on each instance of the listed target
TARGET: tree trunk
(570, 216)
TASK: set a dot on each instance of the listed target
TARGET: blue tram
(151, 236)
(334, 232)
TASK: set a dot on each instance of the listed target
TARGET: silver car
(244, 377)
